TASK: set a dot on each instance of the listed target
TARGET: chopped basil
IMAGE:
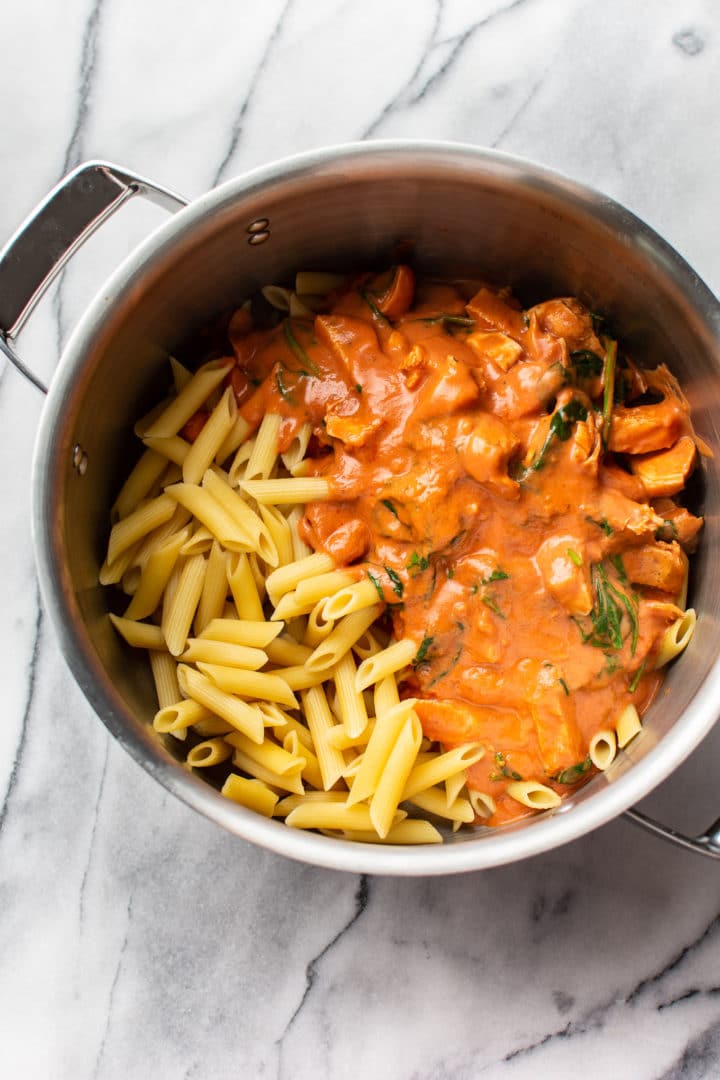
(389, 506)
(586, 363)
(609, 387)
(421, 655)
(282, 388)
(603, 524)
(376, 583)
(637, 677)
(395, 579)
(564, 686)
(497, 575)
(447, 319)
(450, 572)
(417, 562)
(561, 426)
(493, 605)
(373, 307)
(358, 387)
(610, 603)
(309, 367)
(574, 557)
(573, 773)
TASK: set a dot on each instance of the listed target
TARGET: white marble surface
(138, 940)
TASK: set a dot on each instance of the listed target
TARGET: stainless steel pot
(464, 209)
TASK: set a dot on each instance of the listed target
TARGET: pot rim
(531, 836)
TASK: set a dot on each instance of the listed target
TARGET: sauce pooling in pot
(507, 481)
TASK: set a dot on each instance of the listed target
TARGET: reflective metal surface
(464, 210)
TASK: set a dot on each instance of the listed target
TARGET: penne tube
(140, 635)
(243, 588)
(386, 695)
(242, 632)
(286, 578)
(332, 815)
(279, 531)
(532, 794)
(254, 684)
(410, 831)
(138, 524)
(298, 447)
(318, 627)
(289, 607)
(180, 715)
(164, 671)
(442, 766)
(483, 804)
(311, 770)
(112, 573)
(181, 375)
(208, 511)
(139, 484)
(298, 677)
(301, 550)
(375, 758)
(199, 543)
(235, 437)
(287, 804)
(206, 754)
(155, 575)
(272, 757)
(392, 781)
(243, 717)
(247, 521)
(366, 645)
(338, 643)
(265, 448)
(178, 615)
(292, 782)
(291, 490)
(277, 296)
(676, 638)
(351, 704)
(208, 442)
(433, 801)
(627, 725)
(194, 394)
(285, 650)
(174, 448)
(340, 740)
(321, 724)
(282, 722)
(253, 794)
(387, 662)
(214, 591)
(352, 597)
(222, 652)
(324, 586)
(602, 749)
(211, 726)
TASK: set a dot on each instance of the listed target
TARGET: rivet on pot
(79, 459)
(259, 231)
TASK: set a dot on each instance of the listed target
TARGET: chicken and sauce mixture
(508, 480)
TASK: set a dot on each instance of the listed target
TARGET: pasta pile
(303, 706)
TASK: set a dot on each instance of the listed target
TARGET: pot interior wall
(494, 221)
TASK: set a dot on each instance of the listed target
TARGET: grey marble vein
(32, 675)
(113, 989)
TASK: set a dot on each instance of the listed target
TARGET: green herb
(617, 562)
(378, 586)
(607, 613)
(574, 557)
(450, 572)
(453, 662)
(637, 677)
(474, 589)
(418, 562)
(358, 387)
(586, 363)
(451, 320)
(497, 575)
(457, 538)
(667, 531)
(561, 426)
(609, 385)
(574, 773)
(492, 604)
(564, 686)
(603, 524)
(431, 588)
(282, 389)
(395, 579)
(526, 320)
(386, 503)
(373, 307)
(309, 367)
(422, 653)
(505, 771)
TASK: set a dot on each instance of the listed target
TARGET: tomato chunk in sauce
(488, 468)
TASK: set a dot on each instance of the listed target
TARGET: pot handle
(706, 844)
(54, 231)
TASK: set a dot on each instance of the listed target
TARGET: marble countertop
(137, 939)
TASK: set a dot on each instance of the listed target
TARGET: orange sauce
(480, 476)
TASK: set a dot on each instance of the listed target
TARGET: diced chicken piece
(398, 294)
(565, 319)
(351, 430)
(448, 388)
(612, 476)
(565, 572)
(492, 310)
(553, 713)
(494, 346)
(659, 566)
(349, 542)
(486, 453)
(456, 722)
(678, 523)
(666, 473)
(353, 341)
(646, 428)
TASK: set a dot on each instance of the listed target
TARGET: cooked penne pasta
(676, 638)
(243, 588)
(602, 749)
(534, 795)
(627, 725)
(377, 753)
(391, 784)
(332, 815)
(164, 670)
(337, 644)
(286, 578)
(297, 448)
(433, 801)
(292, 490)
(178, 615)
(386, 662)
(139, 484)
(258, 634)
(206, 754)
(483, 804)
(351, 704)
(155, 575)
(441, 767)
(254, 684)
(173, 448)
(410, 831)
(265, 449)
(214, 516)
(180, 715)
(253, 794)
(204, 691)
(214, 432)
(246, 520)
(223, 652)
(192, 396)
(138, 524)
(139, 634)
(321, 724)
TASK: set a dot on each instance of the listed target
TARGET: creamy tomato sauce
(506, 480)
